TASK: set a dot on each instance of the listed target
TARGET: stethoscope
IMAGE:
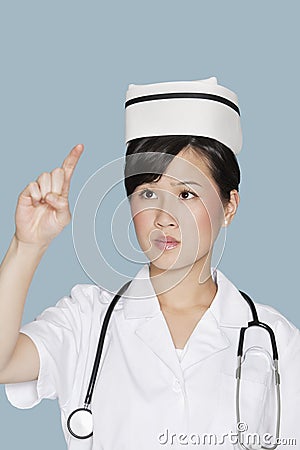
(80, 421)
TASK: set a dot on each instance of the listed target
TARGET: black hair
(154, 154)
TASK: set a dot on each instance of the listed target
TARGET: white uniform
(145, 397)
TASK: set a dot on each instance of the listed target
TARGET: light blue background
(65, 68)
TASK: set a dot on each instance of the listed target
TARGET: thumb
(60, 204)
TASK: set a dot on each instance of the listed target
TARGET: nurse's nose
(164, 219)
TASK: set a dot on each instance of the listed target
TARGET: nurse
(167, 371)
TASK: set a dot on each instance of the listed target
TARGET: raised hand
(43, 206)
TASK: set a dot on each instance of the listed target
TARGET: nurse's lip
(166, 243)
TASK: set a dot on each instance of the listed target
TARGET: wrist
(28, 247)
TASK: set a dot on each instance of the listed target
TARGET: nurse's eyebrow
(186, 183)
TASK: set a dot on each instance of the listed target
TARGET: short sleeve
(59, 334)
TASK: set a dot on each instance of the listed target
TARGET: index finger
(69, 165)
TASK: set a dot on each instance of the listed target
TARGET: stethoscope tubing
(256, 323)
(86, 410)
(96, 365)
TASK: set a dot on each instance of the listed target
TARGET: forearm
(16, 273)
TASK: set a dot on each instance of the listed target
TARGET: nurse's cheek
(142, 219)
(212, 214)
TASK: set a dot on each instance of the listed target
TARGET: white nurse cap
(198, 108)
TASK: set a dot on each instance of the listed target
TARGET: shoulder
(87, 296)
(272, 316)
(285, 331)
(84, 300)
(90, 294)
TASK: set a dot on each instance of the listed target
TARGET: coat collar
(228, 309)
(228, 306)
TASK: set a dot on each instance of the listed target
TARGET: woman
(167, 370)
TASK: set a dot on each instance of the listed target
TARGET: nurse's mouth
(167, 243)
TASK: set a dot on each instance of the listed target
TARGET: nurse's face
(178, 217)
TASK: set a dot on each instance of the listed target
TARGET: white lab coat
(145, 398)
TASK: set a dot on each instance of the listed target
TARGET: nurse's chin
(182, 264)
(171, 264)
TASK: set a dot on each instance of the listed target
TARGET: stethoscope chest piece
(80, 423)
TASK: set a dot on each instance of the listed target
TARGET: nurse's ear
(231, 207)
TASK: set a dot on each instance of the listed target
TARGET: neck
(180, 290)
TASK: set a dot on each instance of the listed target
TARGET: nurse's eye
(147, 194)
(187, 195)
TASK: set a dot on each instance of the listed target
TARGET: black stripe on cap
(170, 95)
